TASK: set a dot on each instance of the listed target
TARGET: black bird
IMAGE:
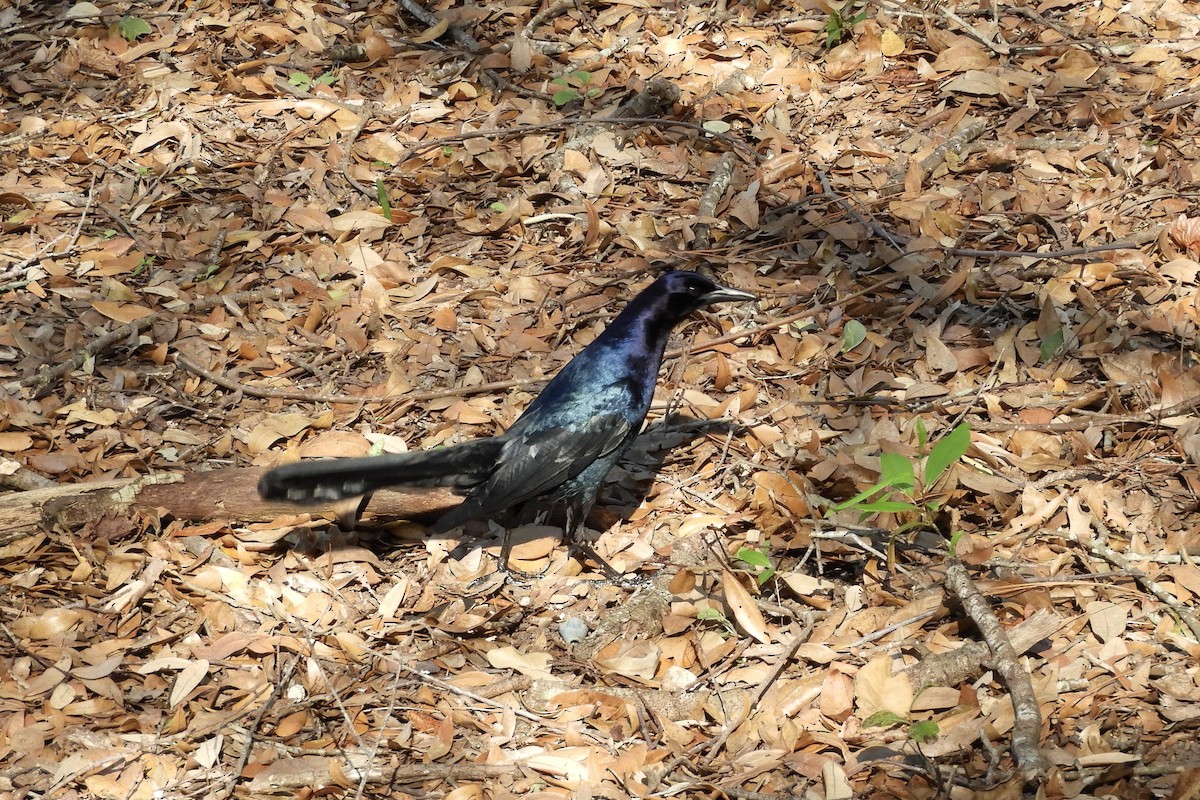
(560, 449)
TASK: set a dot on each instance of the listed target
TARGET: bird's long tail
(461, 466)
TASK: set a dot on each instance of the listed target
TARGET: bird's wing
(536, 462)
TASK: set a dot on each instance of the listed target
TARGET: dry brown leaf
(53, 623)
(535, 665)
(746, 613)
(976, 82)
(187, 679)
(636, 660)
(877, 688)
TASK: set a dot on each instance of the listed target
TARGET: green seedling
(572, 86)
(758, 561)
(905, 486)
(133, 27)
(839, 24)
(713, 615)
(385, 204)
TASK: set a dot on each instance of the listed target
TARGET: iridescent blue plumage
(564, 443)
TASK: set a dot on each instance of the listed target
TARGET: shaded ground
(223, 179)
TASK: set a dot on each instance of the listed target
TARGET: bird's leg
(583, 550)
(505, 548)
(506, 554)
(576, 514)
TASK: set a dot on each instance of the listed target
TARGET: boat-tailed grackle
(560, 449)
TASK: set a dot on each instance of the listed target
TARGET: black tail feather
(461, 466)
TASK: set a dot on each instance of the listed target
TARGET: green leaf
(385, 204)
(883, 719)
(924, 731)
(498, 207)
(765, 575)
(299, 80)
(564, 96)
(954, 537)
(950, 449)
(583, 75)
(853, 502)
(852, 335)
(133, 27)
(713, 615)
(755, 558)
(922, 434)
(327, 78)
(896, 470)
(856, 501)
(833, 30)
(1051, 345)
(857, 18)
(886, 507)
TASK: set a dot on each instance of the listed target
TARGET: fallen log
(230, 494)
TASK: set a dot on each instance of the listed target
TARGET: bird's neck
(643, 326)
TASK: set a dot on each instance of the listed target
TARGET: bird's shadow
(624, 490)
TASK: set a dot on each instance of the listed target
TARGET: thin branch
(277, 689)
(707, 209)
(1027, 717)
(43, 382)
(310, 397)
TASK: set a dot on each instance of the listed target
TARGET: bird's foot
(514, 574)
(584, 551)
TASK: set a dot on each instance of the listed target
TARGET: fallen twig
(221, 494)
(707, 209)
(43, 382)
(1027, 717)
(1098, 548)
(277, 688)
(311, 397)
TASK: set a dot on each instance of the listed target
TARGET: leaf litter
(952, 215)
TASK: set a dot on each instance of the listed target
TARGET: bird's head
(686, 292)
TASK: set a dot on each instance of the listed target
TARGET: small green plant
(304, 83)
(853, 334)
(133, 27)
(385, 204)
(757, 560)
(883, 719)
(713, 615)
(498, 207)
(839, 24)
(1051, 345)
(903, 488)
(572, 86)
(144, 263)
(924, 731)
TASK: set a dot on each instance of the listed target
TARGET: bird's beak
(723, 294)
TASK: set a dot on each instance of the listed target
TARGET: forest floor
(315, 229)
